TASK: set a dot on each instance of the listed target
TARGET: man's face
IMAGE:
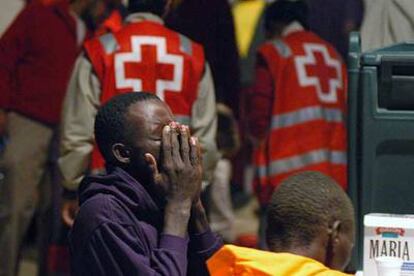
(147, 119)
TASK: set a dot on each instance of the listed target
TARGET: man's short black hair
(285, 12)
(152, 6)
(301, 206)
(111, 124)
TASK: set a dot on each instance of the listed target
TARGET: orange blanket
(241, 261)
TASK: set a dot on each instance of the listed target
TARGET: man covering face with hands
(144, 217)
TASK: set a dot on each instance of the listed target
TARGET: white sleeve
(79, 109)
(204, 123)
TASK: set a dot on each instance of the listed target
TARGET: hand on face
(181, 169)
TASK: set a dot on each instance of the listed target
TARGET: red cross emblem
(138, 71)
(317, 68)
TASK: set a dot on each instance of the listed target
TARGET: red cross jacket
(305, 129)
(146, 56)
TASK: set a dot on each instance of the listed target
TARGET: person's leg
(48, 210)
(23, 163)
(221, 211)
(44, 220)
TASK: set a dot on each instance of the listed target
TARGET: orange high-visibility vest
(307, 129)
(233, 260)
(146, 56)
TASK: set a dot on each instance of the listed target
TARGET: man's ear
(335, 230)
(333, 242)
(121, 153)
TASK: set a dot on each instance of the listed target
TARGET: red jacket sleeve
(12, 49)
(260, 101)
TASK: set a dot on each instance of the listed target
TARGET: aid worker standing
(143, 56)
(298, 102)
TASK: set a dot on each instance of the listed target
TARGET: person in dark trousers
(145, 215)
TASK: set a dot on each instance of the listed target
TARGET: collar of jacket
(143, 16)
(140, 201)
(293, 27)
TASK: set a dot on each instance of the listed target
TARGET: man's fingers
(185, 147)
(157, 177)
(152, 163)
(166, 145)
(175, 144)
(195, 151)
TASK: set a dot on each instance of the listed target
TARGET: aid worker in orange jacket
(312, 238)
(298, 102)
(143, 56)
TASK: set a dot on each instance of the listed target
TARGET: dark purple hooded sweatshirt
(118, 231)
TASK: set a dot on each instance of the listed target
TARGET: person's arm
(79, 109)
(260, 101)
(179, 170)
(203, 242)
(204, 123)
(76, 137)
(116, 249)
(3, 122)
(13, 46)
